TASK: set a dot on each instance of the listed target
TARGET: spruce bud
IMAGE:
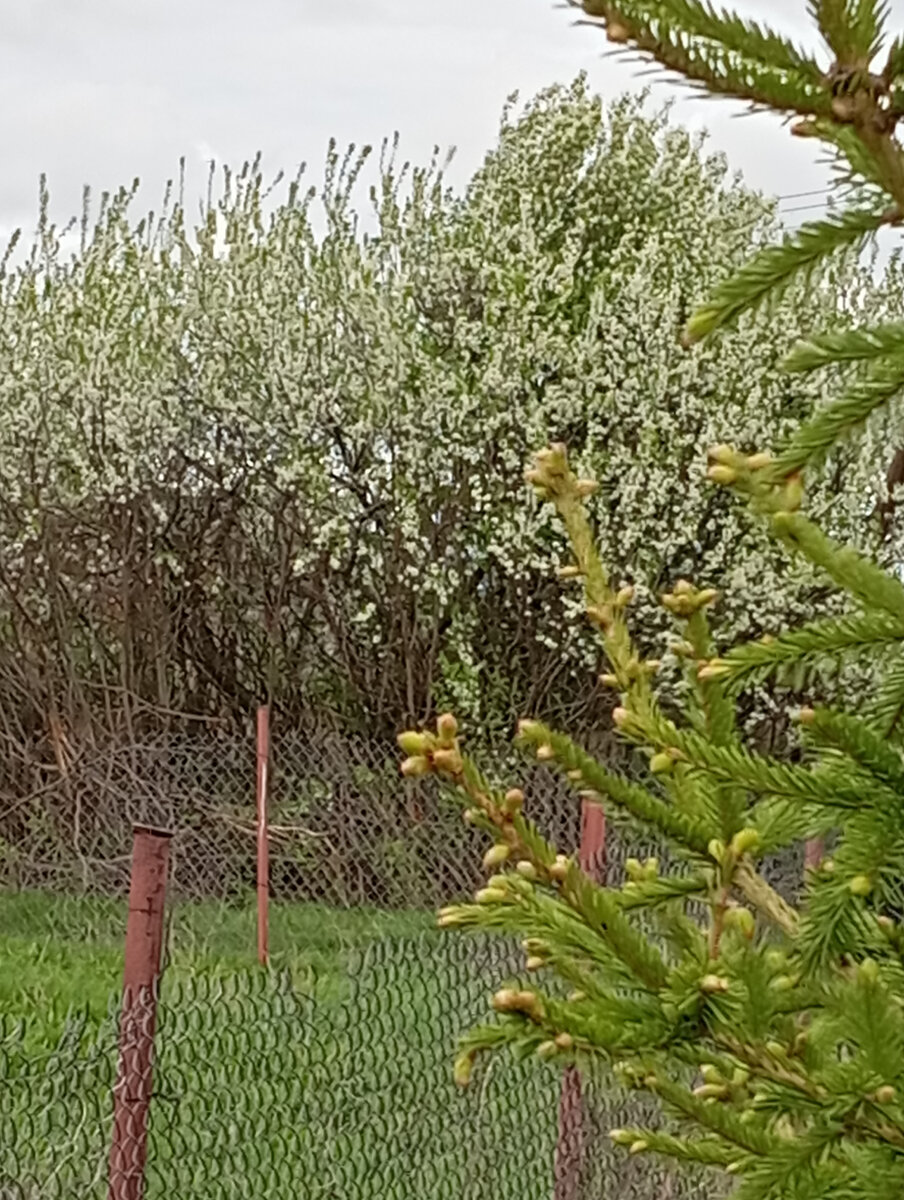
(534, 963)
(741, 919)
(505, 1000)
(513, 801)
(722, 475)
(744, 841)
(413, 743)
(868, 971)
(415, 766)
(600, 614)
(545, 753)
(450, 917)
(619, 716)
(535, 946)
(446, 726)
(860, 885)
(564, 1041)
(490, 895)
(463, 1068)
(527, 869)
(559, 869)
(714, 669)
(714, 983)
(448, 760)
(495, 855)
(662, 763)
(885, 1094)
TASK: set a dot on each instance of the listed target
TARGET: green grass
(327, 1077)
(63, 955)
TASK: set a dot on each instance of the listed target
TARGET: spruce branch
(772, 269)
(857, 742)
(708, 49)
(856, 574)
(846, 346)
(633, 799)
(751, 38)
(853, 29)
(755, 662)
(886, 712)
(813, 440)
(761, 774)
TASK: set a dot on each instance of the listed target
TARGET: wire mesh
(344, 828)
(328, 1076)
(338, 1089)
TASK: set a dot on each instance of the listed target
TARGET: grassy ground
(326, 1078)
(62, 955)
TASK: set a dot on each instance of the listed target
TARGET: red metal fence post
(814, 850)
(570, 1142)
(263, 835)
(141, 975)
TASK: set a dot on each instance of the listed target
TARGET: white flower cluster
(298, 458)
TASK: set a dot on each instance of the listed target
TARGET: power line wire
(799, 195)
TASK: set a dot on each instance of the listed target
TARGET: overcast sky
(99, 91)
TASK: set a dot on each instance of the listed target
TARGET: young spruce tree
(772, 1035)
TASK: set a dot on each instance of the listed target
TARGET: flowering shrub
(283, 453)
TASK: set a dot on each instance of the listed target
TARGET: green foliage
(773, 268)
(769, 1025)
(853, 29)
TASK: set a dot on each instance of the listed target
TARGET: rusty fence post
(814, 851)
(263, 836)
(141, 976)
(570, 1141)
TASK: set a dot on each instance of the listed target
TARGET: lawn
(327, 1077)
(63, 955)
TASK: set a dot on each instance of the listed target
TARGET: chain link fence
(345, 829)
(328, 1076)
